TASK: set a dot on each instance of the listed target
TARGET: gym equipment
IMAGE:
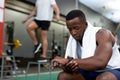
(16, 43)
(13, 43)
(10, 31)
(39, 62)
(10, 36)
(54, 47)
(4, 65)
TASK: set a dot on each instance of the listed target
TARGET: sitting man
(91, 52)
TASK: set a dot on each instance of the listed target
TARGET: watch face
(69, 58)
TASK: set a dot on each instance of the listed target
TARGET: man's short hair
(76, 13)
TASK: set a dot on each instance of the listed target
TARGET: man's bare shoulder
(103, 32)
(104, 35)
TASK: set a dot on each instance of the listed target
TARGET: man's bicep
(104, 46)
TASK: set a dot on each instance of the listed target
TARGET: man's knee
(61, 76)
(102, 78)
(106, 76)
(67, 76)
(30, 27)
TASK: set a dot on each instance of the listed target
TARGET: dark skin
(105, 41)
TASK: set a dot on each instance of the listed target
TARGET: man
(91, 52)
(44, 13)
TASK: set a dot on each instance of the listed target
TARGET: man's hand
(57, 17)
(73, 65)
(58, 62)
(24, 21)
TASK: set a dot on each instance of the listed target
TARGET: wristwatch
(69, 59)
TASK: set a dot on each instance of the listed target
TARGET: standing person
(44, 13)
(91, 53)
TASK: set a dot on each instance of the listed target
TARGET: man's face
(76, 27)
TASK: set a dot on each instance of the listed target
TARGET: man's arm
(102, 55)
(33, 12)
(57, 11)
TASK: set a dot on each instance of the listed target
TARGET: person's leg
(44, 35)
(44, 40)
(67, 76)
(106, 76)
(31, 31)
(113, 74)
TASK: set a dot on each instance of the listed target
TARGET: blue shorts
(89, 75)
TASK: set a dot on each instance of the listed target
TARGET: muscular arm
(102, 55)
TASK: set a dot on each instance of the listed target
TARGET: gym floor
(32, 73)
(44, 75)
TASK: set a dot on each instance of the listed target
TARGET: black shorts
(44, 25)
(91, 75)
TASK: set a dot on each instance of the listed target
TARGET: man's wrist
(67, 68)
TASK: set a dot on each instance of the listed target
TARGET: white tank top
(115, 59)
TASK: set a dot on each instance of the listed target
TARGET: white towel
(88, 42)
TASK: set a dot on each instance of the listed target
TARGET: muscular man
(91, 53)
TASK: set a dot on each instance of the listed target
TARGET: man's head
(76, 23)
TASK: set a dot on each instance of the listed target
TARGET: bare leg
(31, 31)
(44, 35)
(106, 76)
(73, 76)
